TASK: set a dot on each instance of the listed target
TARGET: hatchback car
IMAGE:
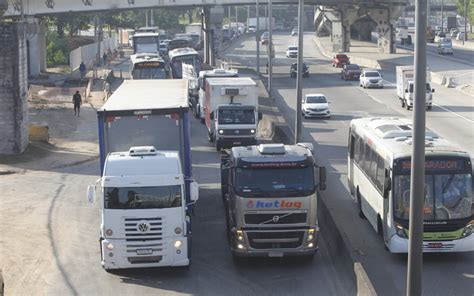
(315, 105)
(371, 78)
(339, 60)
(294, 68)
(292, 51)
(445, 48)
(350, 71)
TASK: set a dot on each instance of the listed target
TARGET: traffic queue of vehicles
(270, 191)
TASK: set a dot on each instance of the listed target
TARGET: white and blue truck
(146, 191)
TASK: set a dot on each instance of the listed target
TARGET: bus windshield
(447, 197)
(158, 197)
(275, 182)
(236, 116)
(176, 65)
(149, 73)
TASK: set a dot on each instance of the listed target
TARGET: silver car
(445, 48)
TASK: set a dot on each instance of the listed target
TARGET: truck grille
(237, 132)
(143, 229)
(275, 239)
(275, 218)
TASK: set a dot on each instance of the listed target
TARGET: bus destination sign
(437, 165)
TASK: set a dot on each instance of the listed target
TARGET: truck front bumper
(231, 142)
(117, 255)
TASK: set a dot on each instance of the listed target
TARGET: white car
(294, 32)
(292, 51)
(315, 105)
(370, 78)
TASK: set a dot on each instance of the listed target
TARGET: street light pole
(465, 22)
(257, 34)
(442, 13)
(270, 48)
(417, 182)
(299, 78)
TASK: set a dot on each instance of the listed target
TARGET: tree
(70, 22)
(470, 10)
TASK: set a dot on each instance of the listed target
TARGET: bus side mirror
(260, 116)
(211, 116)
(194, 191)
(91, 193)
(387, 186)
(322, 178)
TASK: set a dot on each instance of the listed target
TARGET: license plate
(237, 143)
(275, 254)
(144, 252)
(435, 245)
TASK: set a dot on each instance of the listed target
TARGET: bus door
(386, 208)
(350, 165)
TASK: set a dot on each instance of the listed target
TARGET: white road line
(370, 96)
(457, 114)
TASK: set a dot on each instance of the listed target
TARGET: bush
(57, 52)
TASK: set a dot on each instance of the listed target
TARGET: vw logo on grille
(275, 219)
(143, 227)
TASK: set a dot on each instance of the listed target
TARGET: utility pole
(417, 182)
(299, 78)
(152, 21)
(465, 22)
(146, 17)
(442, 15)
(270, 48)
(230, 19)
(257, 34)
(236, 20)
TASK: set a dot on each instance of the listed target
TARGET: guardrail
(461, 80)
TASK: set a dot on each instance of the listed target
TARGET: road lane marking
(370, 96)
(457, 114)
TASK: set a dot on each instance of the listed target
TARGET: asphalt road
(50, 241)
(452, 117)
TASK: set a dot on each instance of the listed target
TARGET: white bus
(183, 55)
(379, 164)
(147, 66)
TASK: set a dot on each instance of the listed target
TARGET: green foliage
(470, 9)
(56, 50)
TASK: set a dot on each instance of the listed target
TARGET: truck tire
(429, 108)
(218, 147)
(408, 107)
(403, 103)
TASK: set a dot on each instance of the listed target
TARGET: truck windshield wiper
(448, 183)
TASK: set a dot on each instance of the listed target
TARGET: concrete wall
(13, 88)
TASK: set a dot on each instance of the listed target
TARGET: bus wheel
(359, 205)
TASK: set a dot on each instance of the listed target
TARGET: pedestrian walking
(104, 57)
(77, 100)
(82, 69)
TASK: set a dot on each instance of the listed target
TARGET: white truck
(405, 87)
(231, 111)
(263, 24)
(197, 102)
(146, 190)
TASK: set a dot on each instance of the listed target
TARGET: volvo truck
(270, 194)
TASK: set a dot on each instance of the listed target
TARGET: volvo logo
(275, 219)
(143, 227)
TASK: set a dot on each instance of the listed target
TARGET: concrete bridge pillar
(213, 18)
(13, 88)
(385, 18)
(36, 46)
(341, 19)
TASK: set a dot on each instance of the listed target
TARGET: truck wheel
(429, 108)
(210, 137)
(403, 103)
(218, 147)
(408, 107)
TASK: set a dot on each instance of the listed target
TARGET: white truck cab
(405, 87)
(143, 205)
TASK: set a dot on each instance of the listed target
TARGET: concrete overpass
(41, 7)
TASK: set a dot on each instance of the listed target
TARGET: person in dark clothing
(77, 100)
(82, 69)
(104, 57)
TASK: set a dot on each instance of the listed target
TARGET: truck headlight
(109, 232)
(400, 231)
(221, 132)
(178, 244)
(240, 235)
(311, 234)
(252, 131)
(110, 246)
(469, 229)
(178, 230)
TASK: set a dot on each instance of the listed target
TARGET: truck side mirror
(406, 90)
(211, 116)
(91, 193)
(322, 178)
(387, 186)
(432, 90)
(260, 116)
(194, 191)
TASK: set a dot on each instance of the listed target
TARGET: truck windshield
(428, 87)
(149, 73)
(236, 116)
(275, 182)
(157, 197)
(447, 197)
